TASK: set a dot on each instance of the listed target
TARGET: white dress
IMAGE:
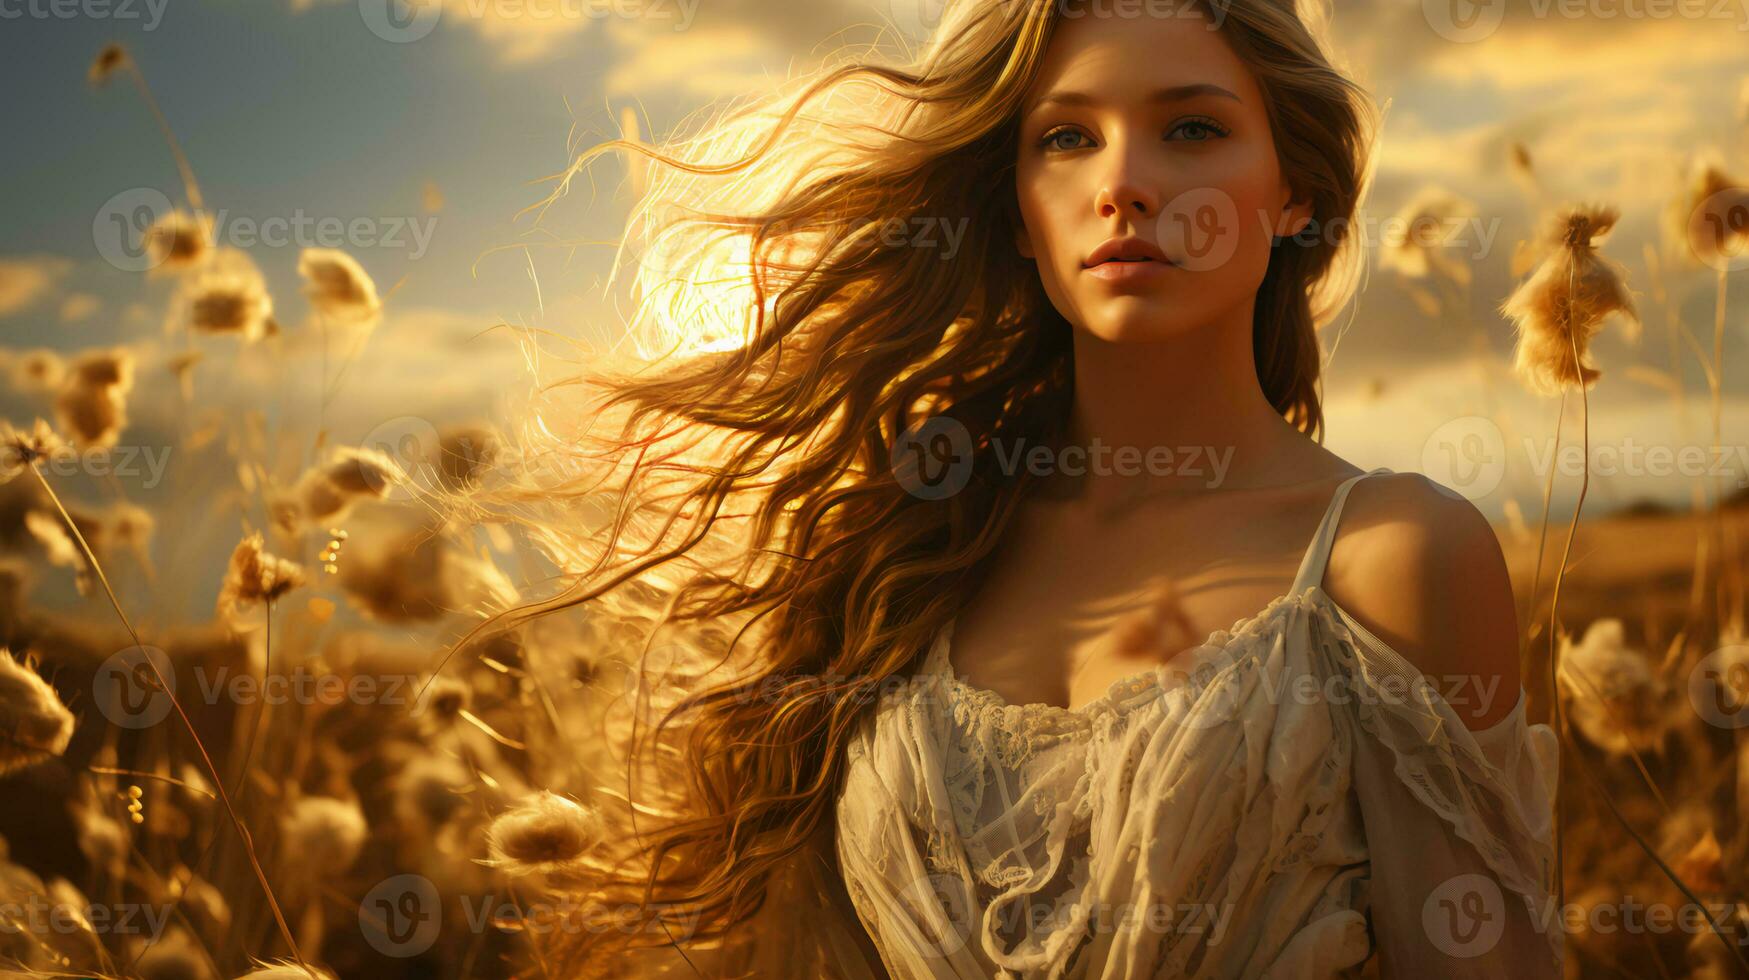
(1294, 805)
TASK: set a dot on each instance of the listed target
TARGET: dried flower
(327, 493)
(231, 305)
(34, 725)
(338, 286)
(463, 453)
(256, 576)
(179, 241)
(102, 839)
(22, 449)
(416, 576)
(175, 955)
(111, 59)
(547, 833)
(1416, 239)
(428, 790)
(38, 370)
(1614, 695)
(1565, 301)
(323, 835)
(92, 405)
(443, 702)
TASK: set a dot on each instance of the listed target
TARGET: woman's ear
(1295, 217)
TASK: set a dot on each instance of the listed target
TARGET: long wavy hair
(734, 472)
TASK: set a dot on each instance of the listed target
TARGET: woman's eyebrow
(1176, 93)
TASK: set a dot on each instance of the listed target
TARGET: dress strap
(1318, 552)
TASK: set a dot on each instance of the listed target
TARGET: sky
(438, 127)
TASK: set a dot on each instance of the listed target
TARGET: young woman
(1066, 649)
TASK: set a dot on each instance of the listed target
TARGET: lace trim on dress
(1452, 775)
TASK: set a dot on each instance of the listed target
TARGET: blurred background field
(322, 388)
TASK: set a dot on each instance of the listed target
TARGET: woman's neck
(1184, 415)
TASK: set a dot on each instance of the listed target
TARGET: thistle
(1565, 301)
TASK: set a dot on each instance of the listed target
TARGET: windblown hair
(755, 482)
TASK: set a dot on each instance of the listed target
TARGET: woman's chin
(1133, 320)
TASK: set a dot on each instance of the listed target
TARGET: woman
(1026, 407)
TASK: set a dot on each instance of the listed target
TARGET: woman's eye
(1053, 139)
(1200, 130)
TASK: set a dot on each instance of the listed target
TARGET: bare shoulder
(1420, 567)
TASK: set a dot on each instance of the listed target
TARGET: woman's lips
(1129, 272)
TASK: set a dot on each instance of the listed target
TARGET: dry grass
(280, 837)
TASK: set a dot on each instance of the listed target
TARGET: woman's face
(1150, 129)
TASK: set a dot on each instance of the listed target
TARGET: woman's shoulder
(1420, 567)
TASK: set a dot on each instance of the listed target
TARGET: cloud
(709, 62)
(25, 280)
(78, 306)
(522, 31)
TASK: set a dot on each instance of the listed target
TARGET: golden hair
(751, 484)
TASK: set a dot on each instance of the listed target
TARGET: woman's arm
(822, 859)
(1425, 581)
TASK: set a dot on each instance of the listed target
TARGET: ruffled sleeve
(1457, 823)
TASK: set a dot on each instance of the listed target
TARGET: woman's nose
(1125, 191)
